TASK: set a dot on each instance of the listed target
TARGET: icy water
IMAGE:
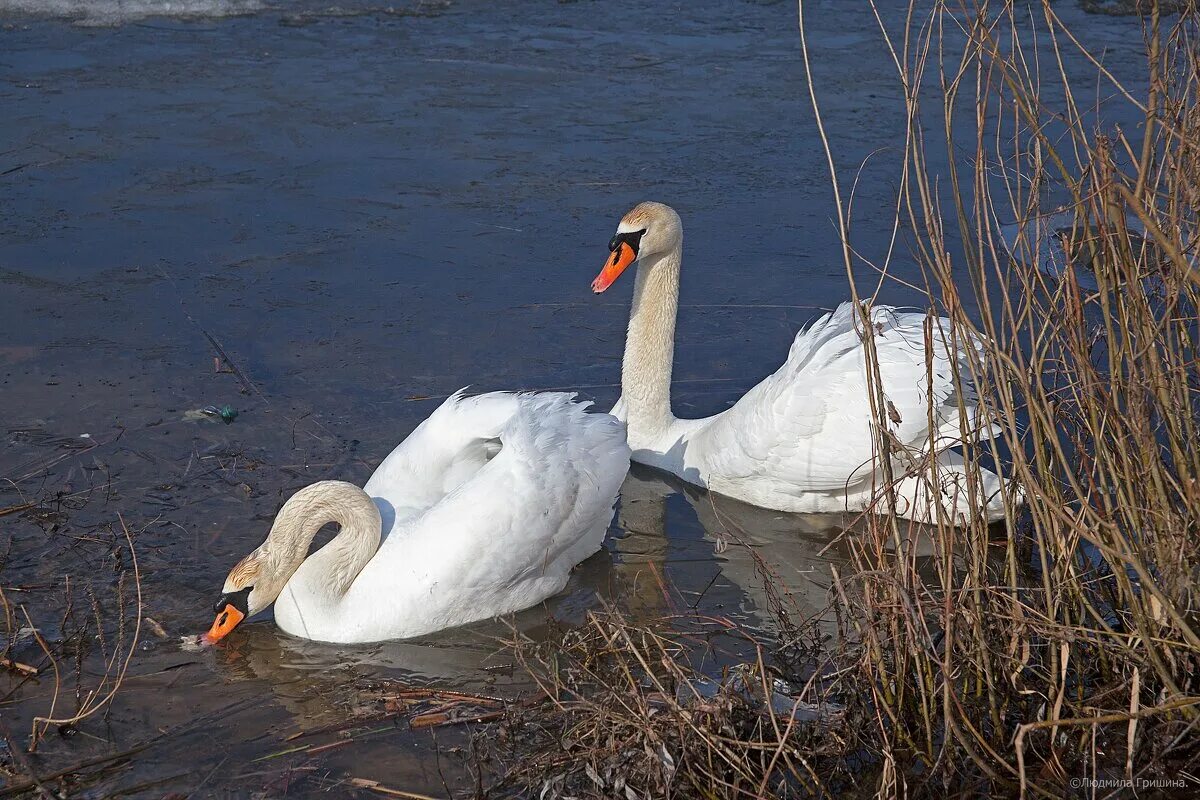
(330, 219)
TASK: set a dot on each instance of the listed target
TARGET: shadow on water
(717, 548)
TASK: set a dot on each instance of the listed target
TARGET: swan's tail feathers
(950, 432)
(947, 493)
(960, 398)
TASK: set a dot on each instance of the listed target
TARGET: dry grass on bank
(634, 715)
(1075, 655)
(1065, 645)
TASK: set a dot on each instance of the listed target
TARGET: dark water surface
(364, 212)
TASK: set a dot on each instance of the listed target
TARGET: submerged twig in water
(92, 703)
(376, 786)
(17, 666)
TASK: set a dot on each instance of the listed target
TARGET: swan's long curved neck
(329, 571)
(650, 343)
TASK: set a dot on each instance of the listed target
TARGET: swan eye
(631, 238)
(239, 600)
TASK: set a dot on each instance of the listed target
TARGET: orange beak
(621, 258)
(226, 621)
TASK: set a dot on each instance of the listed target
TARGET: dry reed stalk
(632, 714)
(1063, 644)
(983, 660)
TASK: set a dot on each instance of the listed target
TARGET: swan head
(648, 229)
(259, 578)
(250, 587)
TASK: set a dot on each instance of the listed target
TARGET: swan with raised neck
(802, 439)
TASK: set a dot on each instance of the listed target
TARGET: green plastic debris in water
(225, 413)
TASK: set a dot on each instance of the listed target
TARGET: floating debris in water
(225, 413)
(1041, 243)
(193, 643)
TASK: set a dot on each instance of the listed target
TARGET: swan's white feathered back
(806, 430)
(495, 498)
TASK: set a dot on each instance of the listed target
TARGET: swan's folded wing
(446, 449)
(540, 506)
(807, 428)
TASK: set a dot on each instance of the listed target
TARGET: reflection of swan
(315, 682)
(801, 440)
(797, 548)
(314, 678)
(486, 506)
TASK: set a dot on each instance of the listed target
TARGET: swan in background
(802, 439)
(483, 510)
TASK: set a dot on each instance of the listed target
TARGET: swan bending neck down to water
(802, 439)
(483, 510)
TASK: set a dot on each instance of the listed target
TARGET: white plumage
(484, 510)
(803, 440)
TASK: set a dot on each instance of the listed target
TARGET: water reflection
(713, 549)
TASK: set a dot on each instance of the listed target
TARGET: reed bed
(1055, 654)
(1067, 652)
(636, 712)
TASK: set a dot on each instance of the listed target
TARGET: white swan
(802, 439)
(483, 510)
